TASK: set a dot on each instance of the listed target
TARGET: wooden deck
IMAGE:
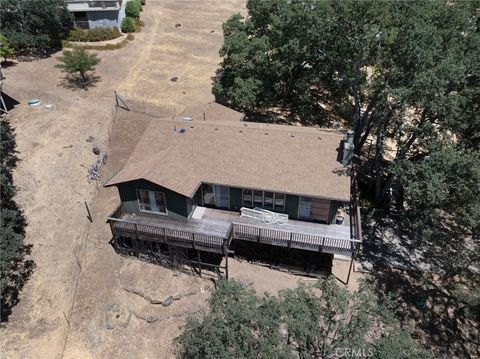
(215, 229)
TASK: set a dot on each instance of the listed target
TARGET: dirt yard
(51, 175)
(83, 300)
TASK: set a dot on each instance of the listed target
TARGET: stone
(167, 302)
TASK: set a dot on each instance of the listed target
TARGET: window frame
(274, 207)
(244, 203)
(284, 196)
(150, 211)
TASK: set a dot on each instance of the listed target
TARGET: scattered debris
(178, 24)
(69, 146)
(94, 172)
(174, 78)
(90, 139)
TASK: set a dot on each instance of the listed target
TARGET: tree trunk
(356, 118)
(377, 164)
(83, 76)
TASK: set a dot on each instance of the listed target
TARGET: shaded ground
(428, 301)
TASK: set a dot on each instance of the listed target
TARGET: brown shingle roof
(212, 111)
(290, 159)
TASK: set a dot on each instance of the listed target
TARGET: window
(151, 201)
(247, 197)
(279, 202)
(268, 200)
(216, 196)
(257, 198)
(264, 199)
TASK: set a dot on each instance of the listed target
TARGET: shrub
(129, 24)
(78, 60)
(142, 2)
(132, 9)
(92, 35)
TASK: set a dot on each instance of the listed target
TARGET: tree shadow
(426, 304)
(76, 83)
(8, 63)
(320, 107)
(428, 278)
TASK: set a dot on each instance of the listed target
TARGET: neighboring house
(189, 179)
(89, 14)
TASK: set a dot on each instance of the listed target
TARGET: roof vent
(182, 130)
(216, 128)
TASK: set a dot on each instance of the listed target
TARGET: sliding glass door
(216, 196)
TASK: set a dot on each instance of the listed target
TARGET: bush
(142, 2)
(132, 9)
(129, 24)
(92, 35)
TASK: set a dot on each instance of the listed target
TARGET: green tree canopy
(78, 60)
(5, 49)
(33, 25)
(407, 74)
(307, 322)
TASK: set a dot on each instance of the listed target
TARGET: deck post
(199, 261)
(136, 230)
(350, 270)
(226, 264)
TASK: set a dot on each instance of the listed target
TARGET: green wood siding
(176, 203)
(235, 199)
(291, 206)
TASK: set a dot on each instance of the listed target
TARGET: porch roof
(180, 155)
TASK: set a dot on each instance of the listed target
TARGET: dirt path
(51, 175)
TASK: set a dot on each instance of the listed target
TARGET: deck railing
(289, 239)
(161, 233)
(278, 236)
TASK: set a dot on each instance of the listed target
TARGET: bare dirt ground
(54, 156)
(83, 300)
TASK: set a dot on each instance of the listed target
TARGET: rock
(96, 150)
(212, 31)
(178, 24)
(156, 301)
(178, 296)
(174, 78)
(90, 139)
(151, 319)
(167, 302)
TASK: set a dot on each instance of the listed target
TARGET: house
(208, 182)
(89, 14)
